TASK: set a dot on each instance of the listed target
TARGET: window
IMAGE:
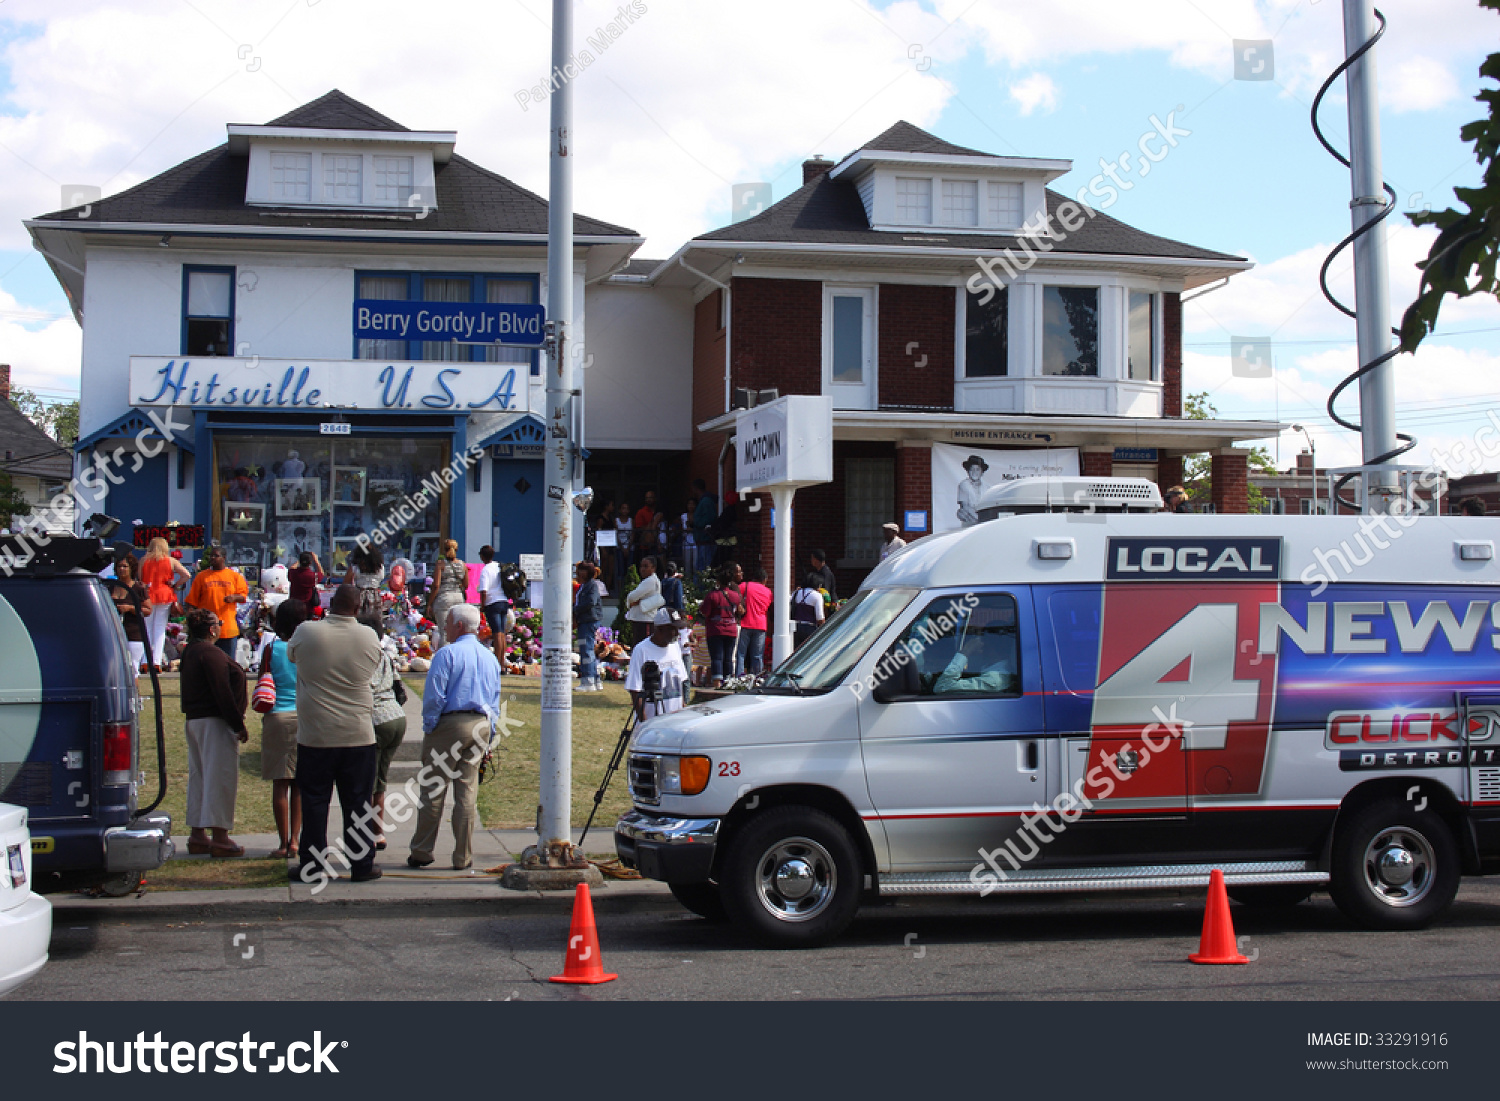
(848, 338)
(207, 311)
(517, 292)
(985, 329)
(1142, 335)
(389, 288)
(393, 179)
(961, 202)
(443, 289)
(869, 501)
(973, 656)
(1070, 331)
(1005, 203)
(342, 178)
(825, 659)
(913, 201)
(291, 176)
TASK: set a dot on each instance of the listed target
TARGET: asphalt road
(1108, 947)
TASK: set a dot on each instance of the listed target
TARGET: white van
(25, 916)
(1082, 702)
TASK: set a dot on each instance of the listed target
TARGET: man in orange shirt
(218, 589)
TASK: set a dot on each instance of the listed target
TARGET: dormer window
(342, 179)
(291, 177)
(1005, 203)
(391, 170)
(914, 200)
(392, 179)
(961, 202)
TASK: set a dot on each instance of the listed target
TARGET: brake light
(117, 754)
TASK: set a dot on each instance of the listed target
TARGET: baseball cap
(664, 617)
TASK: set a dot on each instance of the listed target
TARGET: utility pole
(1377, 390)
(552, 864)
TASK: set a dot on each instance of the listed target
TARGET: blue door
(142, 495)
(520, 490)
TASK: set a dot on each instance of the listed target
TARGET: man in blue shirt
(459, 706)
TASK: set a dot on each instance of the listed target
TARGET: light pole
(1313, 451)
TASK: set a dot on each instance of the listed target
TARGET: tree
(60, 420)
(1462, 260)
(12, 503)
(1197, 470)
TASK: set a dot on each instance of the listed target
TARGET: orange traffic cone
(582, 964)
(1217, 945)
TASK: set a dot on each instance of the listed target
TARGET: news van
(1065, 701)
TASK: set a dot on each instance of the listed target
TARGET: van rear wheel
(1394, 867)
(792, 878)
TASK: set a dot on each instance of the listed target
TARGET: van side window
(958, 650)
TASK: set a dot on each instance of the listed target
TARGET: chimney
(5, 381)
(812, 169)
(1304, 463)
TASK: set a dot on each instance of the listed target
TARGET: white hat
(664, 617)
(891, 527)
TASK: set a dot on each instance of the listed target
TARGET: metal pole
(1377, 390)
(781, 641)
(554, 831)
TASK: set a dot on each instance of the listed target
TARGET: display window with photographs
(276, 496)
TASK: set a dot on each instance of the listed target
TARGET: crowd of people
(330, 699)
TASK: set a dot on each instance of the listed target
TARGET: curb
(274, 904)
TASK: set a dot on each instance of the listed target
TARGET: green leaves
(1461, 262)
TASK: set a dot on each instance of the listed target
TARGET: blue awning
(131, 425)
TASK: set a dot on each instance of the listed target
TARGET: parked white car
(25, 916)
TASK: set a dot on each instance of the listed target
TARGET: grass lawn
(202, 874)
(507, 798)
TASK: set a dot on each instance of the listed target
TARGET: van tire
(1394, 867)
(792, 878)
(1265, 896)
(702, 899)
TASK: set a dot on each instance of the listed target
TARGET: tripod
(609, 773)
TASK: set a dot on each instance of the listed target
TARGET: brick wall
(708, 388)
(1097, 464)
(1231, 471)
(913, 486)
(1171, 356)
(924, 316)
(778, 334)
(1168, 473)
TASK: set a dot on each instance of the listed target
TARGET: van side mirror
(899, 682)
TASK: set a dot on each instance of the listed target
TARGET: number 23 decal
(729, 768)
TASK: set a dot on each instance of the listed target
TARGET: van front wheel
(791, 878)
(1394, 867)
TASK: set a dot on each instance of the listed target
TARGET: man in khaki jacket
(336, 659)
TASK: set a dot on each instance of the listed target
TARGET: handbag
(264, 698)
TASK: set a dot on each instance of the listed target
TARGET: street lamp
(1313, 451)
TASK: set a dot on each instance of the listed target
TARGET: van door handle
(1027, 756)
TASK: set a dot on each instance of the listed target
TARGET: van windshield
(824, 659)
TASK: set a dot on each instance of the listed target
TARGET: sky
(693, 97)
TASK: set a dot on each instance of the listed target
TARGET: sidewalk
(401, 885)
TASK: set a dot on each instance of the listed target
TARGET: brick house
(1301, 491)
(897, 281)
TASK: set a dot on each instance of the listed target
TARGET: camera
(651, 683)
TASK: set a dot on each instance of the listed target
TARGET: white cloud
(1419, 84)
(1035, 92)
(43, 354)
